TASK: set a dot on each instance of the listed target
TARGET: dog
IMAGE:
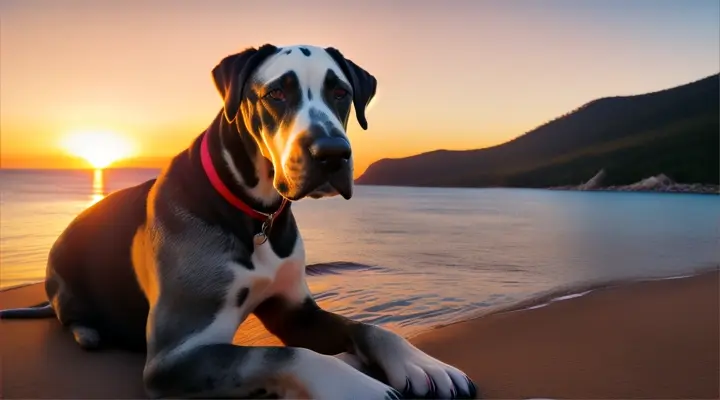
(174, 265)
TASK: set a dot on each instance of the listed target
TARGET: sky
(459, 74)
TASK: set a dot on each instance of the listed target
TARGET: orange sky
(454, 75)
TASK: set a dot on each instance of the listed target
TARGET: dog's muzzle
(328, 165)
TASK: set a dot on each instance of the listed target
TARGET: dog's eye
(340, 93)
(276, 94)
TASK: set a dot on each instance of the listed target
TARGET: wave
(339, 267)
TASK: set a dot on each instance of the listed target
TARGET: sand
(655, 339)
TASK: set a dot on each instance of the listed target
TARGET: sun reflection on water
(98, 186)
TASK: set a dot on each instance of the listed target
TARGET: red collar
(217, 183)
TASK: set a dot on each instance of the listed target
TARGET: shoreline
(633, 339)
(544, 298)
(566, 292)
(705, 190)
(20, 286)
(660, 183)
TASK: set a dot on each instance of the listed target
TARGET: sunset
(153, 82)
(99, 148)
(340, 200)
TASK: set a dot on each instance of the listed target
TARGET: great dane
(174, 265)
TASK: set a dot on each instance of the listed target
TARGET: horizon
(552, 59)
(159, 163)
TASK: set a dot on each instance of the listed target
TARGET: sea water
(412, 258)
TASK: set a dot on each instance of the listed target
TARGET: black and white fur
(170, 267)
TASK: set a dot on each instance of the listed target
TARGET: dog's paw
(333, 378)
(418, 375)
(428, 377)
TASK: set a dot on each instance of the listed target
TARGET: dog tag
(259, 239)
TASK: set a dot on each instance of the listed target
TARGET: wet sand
(654, 339)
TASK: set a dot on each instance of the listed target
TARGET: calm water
(429, 256)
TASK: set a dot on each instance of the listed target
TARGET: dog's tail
(42, 310)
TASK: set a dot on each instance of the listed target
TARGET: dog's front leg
(226, 371)
(190, 354)
(199, 306)
(406, 368)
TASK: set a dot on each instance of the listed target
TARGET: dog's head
(295, 102)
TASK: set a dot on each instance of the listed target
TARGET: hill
(673, 132)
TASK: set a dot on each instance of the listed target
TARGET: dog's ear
(233, 71)
(363, 84)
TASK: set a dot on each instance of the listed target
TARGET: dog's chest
(273, 275)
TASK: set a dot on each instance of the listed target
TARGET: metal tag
(259, 238)
(262, 236)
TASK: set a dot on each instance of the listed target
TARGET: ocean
(413, 258)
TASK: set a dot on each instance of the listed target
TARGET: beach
(632, 339)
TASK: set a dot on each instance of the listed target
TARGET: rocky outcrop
(652, 183)
(595, 182)
(658, 183)
(651, 186)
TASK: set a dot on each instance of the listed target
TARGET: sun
(99, 148)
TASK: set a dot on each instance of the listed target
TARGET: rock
(657, 182)
(595, 182)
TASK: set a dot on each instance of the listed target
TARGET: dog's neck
(241, 166)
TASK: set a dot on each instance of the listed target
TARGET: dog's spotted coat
(170, 267)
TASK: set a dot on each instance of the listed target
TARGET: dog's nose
(331, 153)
